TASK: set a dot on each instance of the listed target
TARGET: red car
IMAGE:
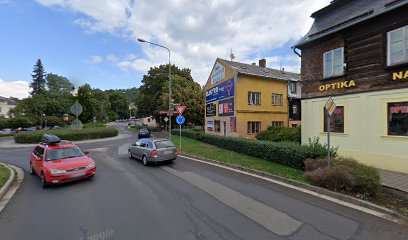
(57, 161)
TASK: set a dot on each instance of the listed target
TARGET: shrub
(345, 174)
(313, 164)
(54, 121)
(66, 134)
(314, 149)
(19, 122)
(154, 129)
(3, 123)
(280, 134)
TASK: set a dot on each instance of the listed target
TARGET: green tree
(119, 103)
(88, 102)
(57, 84)
(38, 83)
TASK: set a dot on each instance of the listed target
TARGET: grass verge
(4, 175)
(200, 149)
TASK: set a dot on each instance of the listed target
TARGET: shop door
(225, 128)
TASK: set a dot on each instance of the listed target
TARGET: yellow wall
(365, 130)
(265, 113)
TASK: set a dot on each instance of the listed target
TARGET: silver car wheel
(144, 159)
(130, 154)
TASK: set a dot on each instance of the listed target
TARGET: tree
(119, 103)
(38, 83)
(58, 84)
(88, 102)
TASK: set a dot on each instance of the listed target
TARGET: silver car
(153, 150)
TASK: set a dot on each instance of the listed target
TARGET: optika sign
(337, 85)
(400, 75)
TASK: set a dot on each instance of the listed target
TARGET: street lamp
(170, 109)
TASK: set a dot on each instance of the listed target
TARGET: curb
(7, 185)
(15, 182)
(318, 190)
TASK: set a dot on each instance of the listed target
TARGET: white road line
(272, 219)
(328, 198)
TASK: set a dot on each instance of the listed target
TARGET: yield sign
(180, 109)
(330, 106)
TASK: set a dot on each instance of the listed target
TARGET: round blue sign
(180, 120)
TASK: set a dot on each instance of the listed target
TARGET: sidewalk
(394, 180)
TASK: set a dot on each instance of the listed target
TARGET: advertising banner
(226, 107)
(221, 91)
(210, 125)
(218, 74)
(211, 110)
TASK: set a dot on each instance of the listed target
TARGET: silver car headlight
(57, 171)
(91, 165)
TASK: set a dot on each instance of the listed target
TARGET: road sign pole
(328, 138)
(180, 137)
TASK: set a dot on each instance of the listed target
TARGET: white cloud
(197, 32)
(95, 59)
(17, 89)
(112, 58)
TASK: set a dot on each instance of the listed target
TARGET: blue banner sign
(226, 107)
(221, 91)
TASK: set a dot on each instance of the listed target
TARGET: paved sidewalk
(394, 180)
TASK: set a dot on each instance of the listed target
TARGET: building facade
(6, 104)
(357, 52)
(295, 107)
(243, 99)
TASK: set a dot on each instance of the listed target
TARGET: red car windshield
(57, 154)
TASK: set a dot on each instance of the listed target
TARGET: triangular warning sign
(180, 109)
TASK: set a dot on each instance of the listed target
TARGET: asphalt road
(184, 200)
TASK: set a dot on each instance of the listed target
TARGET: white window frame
(278, 124)
(254, 98)
(277, 99)
(257, 127)
(293, 87)
(404, 42)
(331, 53)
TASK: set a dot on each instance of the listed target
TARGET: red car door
(37, 159)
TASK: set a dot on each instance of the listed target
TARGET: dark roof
(253, 70)
(341, 14)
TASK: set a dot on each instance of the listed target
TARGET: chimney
(262, 62)
(253, 64)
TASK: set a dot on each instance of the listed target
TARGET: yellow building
(244, 99)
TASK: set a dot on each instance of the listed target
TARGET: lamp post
(170, 103)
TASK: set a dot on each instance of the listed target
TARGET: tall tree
(38, 83)
(58, 84)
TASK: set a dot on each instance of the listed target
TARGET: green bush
(66, 134)
(19, 122)
(280, 134)
(54, 121)
(286, 153)
(3, 123)
(346, 174)
(314, 149)
(154, 129)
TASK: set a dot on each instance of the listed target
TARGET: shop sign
(221, 91)
(210, 110)
(210, 125)
(400, 75)
(233, 124)
(226, 107)
(399, 109)
(218, 74)
(337, 85)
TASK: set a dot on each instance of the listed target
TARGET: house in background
(294, 96)
(245, 99)
(149, 121)
(357, 52)
(6, 104)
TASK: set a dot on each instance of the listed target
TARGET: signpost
(166, 119)
(180, 120)
(330, 107)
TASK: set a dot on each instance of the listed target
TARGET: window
(254, 98)
(293, 87)
(217, 125)
(294, 125)
(58, 154)
(397, 45)
(333, 62)
(336, 121)
(277, 99)
(149, 145)
(38, 152)
(143, 143)
(398, 119)
(294, 109)
(254, 127)
(277, 124)
(148, 120)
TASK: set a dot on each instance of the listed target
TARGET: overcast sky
(95, 41)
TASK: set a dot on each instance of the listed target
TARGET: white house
(6, 104)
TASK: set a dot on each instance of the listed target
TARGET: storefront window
(336, 121)
(217, 126)
(398, 118)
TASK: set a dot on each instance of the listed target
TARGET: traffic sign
(180, 120)
(330, 106)
(180, 109)
(166, 119)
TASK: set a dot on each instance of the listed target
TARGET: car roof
(62, 144)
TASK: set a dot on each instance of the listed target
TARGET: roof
(341, 14)
(253, 70)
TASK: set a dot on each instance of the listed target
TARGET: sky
(95, 41)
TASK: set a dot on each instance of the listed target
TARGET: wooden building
(357, 52)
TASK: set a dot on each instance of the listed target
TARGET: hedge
(66, 134)
(280, 134)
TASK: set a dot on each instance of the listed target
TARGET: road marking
(272, 219)
(328, 198)
(103, 149)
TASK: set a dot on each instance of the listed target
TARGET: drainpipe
(297, 53)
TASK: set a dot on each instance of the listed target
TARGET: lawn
(4, 175)
(200, 149)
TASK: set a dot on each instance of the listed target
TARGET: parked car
(143, 133)
(153, 150)
(30, 129)
(57, 161)
(7, 132)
